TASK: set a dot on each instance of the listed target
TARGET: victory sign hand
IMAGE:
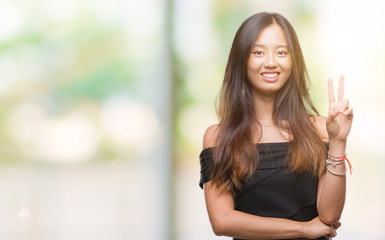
(339, 120)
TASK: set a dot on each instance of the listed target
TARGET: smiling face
(270, 64)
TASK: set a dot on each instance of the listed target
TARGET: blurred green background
(103, 106)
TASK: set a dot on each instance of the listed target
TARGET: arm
(225, 220)
(332, 188)
(229, 222)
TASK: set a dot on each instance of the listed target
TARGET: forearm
(331, 198)
(246, 226)
(227, 221)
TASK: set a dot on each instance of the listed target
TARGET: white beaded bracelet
(337, 174)
(334, 163)
(331, 160)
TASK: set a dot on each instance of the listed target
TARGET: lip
(270, 80)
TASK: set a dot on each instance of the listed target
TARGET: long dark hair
(235, 155)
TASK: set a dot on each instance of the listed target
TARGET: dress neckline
(260, 144)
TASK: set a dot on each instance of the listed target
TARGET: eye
(282, 53)
(258, 53)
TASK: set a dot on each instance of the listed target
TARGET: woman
(263, 166)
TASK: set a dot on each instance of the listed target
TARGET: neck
(264, 107)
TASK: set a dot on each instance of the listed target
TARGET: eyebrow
(279, 46)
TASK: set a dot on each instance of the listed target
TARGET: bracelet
(334, 163)
(340, 159)
(337, 160)
(334, 173)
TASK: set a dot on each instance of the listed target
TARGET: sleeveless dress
(274, 190)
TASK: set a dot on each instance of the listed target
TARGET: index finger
(332, 99)
(341, 89)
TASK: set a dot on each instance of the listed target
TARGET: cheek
(250, 63)
(253, 64)
(287, 66)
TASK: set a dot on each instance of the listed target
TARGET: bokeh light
(103, 106)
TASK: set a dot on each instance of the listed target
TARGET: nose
(270, 61)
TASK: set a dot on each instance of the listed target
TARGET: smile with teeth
(270, 75)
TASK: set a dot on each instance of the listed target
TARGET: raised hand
(340, 117)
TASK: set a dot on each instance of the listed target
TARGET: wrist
(337, 147)
(304, 229)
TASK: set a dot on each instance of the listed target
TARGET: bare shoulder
(319, 124)
(209, 139)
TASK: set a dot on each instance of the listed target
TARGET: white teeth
(270, 75)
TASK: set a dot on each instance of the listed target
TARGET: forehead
(271, 35)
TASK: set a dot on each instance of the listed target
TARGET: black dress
(274, 190)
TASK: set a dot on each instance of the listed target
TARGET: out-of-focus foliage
(61, 68)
